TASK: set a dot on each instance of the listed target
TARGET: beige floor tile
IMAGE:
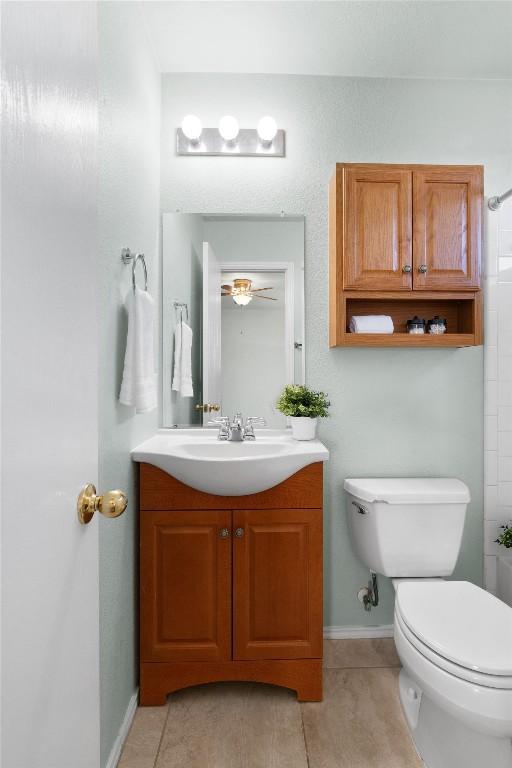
(346, 654)
(359, 724)
(141, 746)
(233, 725)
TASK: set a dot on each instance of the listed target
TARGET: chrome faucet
(236, 431)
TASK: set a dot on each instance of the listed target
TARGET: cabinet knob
(422, 268)
(224, 533)
(407, 268)
(239, 532)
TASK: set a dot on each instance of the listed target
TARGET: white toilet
(454, 639)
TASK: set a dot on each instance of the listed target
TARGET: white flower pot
(303, 427)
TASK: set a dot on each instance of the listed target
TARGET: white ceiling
(412, 38)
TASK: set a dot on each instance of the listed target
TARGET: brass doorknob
(111, 504)
(208, 407)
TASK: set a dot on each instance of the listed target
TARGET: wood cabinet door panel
(185, 582)
(277, 583)
(377, 229)
(447, 229)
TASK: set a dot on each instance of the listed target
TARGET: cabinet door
(447, 229)
(377, 229)
(277, 584)
(185, 582)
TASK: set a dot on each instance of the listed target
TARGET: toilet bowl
(454, 639)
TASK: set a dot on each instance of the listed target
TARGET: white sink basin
(198, 459)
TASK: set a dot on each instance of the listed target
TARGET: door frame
(288, 268)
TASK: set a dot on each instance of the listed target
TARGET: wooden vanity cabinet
(230, 587)
(406, 240)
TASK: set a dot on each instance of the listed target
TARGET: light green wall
(129, 162)
(394, 412)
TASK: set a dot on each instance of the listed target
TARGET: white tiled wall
(498, 383)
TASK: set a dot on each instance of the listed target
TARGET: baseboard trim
(353, 633)
(117, 747)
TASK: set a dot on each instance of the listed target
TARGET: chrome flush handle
(362, 510)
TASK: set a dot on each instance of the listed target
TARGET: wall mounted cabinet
(406, 240)
(230, 587)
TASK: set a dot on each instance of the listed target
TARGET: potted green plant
(505, 538)
(304, 407)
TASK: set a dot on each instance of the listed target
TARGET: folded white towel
(371, 324)
(138, 387)
(182, 374)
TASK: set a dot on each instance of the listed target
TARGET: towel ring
(127, 256)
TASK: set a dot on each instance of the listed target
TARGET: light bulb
(267, 129)
(242, 299)
(192, 128)
(228, 127)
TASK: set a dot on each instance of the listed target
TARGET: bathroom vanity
(230, 586)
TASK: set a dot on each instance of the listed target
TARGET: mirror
(232, 315)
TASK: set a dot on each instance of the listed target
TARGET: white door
(212, 389)
(50, 623)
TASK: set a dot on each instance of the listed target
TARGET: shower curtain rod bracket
(495, 202)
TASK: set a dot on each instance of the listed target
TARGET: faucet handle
(219, 421)
(256, 420)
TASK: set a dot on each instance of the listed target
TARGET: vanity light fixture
(267, 140)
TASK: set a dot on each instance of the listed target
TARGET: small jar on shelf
(436, 326)
(416, 325)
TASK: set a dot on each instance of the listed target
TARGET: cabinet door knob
(407, 268)
(239, 532)
(224, 533)
(422, 268)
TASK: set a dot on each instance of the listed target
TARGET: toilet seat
(482, 708)
(460, 628)
(469, 675)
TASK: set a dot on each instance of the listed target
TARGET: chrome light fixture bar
(229, 140)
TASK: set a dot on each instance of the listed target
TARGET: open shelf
(408, 340)
(462, 312)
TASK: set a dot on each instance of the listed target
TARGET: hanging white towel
(138, 387)
(371, 324)
(182, 374)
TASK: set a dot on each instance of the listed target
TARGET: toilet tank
(407, 527)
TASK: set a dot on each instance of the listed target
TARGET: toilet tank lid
(409, 490)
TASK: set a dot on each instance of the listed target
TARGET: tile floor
(359, 724)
